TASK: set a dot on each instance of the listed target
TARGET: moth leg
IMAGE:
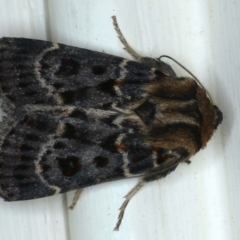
(76, 197)
(128, 197)
(152, 175)
(151, 62)
(123, 40)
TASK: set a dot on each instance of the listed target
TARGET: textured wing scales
(73, 122)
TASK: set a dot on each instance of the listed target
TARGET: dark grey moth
(75, 118)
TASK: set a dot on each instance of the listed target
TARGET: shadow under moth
(75, 118)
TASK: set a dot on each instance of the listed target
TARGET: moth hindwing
(75, 118)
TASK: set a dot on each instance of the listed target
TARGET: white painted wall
(200, 201)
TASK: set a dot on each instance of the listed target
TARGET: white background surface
(200, 201)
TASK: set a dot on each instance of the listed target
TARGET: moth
(75, 118)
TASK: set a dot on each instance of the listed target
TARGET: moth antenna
(195, 78)
(128, 197)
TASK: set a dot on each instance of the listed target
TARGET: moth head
(219, 117)
(211, 115)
